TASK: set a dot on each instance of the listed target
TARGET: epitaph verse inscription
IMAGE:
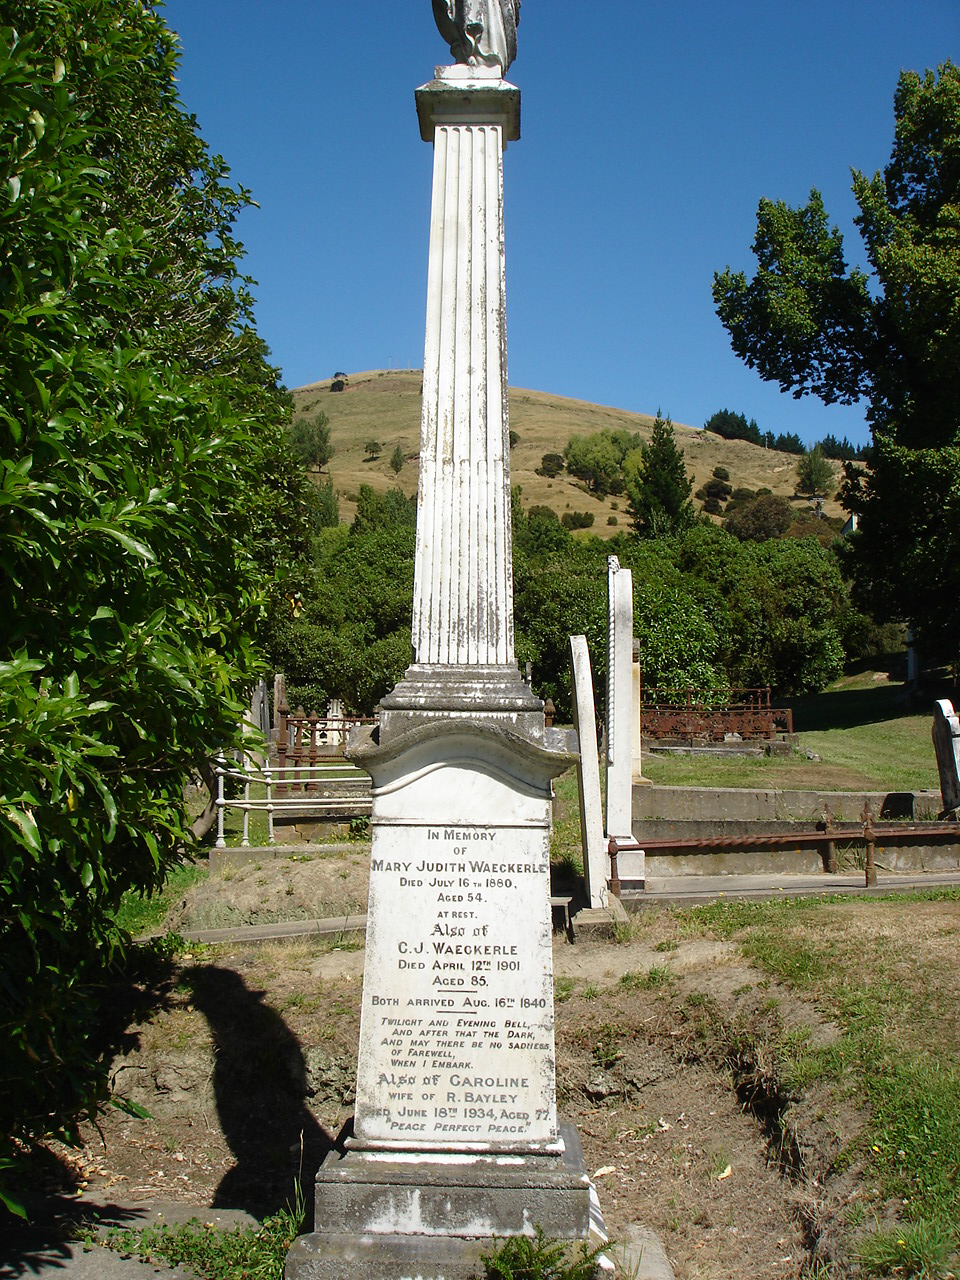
(456, 1041)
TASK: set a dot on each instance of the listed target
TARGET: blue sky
(650, 131)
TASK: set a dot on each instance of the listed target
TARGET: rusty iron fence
(691, 718)
(303, 741)
(869, 833)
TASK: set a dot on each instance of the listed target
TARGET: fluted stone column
(463, 589)
(456, 1137)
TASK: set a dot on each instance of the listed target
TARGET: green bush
(523, 1258)
(577, 519)
(147, 492)
(551, 465)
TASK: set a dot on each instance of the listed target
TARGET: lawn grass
(860, 731)
(140, 914)
(898, 1050)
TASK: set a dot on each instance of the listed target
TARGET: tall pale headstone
(620, 697)
(456, 1136)
(946, 742)
(622, 716)
(636, 768)
(595, 857)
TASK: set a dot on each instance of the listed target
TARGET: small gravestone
(946, 742)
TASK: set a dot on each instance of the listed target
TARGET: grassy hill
(384, 405)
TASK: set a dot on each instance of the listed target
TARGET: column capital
(468, 96)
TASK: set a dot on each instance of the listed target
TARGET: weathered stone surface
(456, 1038)
(463, 578)
(480, 32)
(456, 1137)
(395, 1217)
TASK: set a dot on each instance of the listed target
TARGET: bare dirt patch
(313, 884)
(255, 1047)
(669, 1062)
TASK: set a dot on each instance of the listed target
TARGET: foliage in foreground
(145, 495)
(256, 1253)
(523, 1258)
(919, 1249)
(259, 1253)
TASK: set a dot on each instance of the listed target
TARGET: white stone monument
(622, 691)
(636, 769)
(595, 857)
(623, 721)
(455, 1136)
(946, 742)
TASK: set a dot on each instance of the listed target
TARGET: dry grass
(385, 405)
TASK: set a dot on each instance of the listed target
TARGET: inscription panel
(456, 1037)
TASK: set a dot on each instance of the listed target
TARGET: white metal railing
(285, 791)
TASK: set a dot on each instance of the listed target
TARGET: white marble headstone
(595, 858)
(620, 698)
(456, 1037)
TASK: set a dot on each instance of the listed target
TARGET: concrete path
(47, 1249)
(53, 1244)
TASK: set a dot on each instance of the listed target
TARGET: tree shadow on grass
(848, 708)
(260, 1085)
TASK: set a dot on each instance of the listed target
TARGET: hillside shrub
(551, 465)
(718, 489)
(577, 519)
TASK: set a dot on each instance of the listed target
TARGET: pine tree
(659, 494)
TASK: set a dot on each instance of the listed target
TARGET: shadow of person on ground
(260, 1085)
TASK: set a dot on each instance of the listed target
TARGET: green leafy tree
(373, 449)
(659, 490)
(146, 500)
(310, 440)
(397, 460)
(327, 506)
(811, 323)
(733, 426)
(787, 611)
(768, 515)
(352, 639)
(595, 460)
(814, 474)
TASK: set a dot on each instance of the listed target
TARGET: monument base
(429, 1216)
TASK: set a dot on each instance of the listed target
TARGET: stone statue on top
(480, 32)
